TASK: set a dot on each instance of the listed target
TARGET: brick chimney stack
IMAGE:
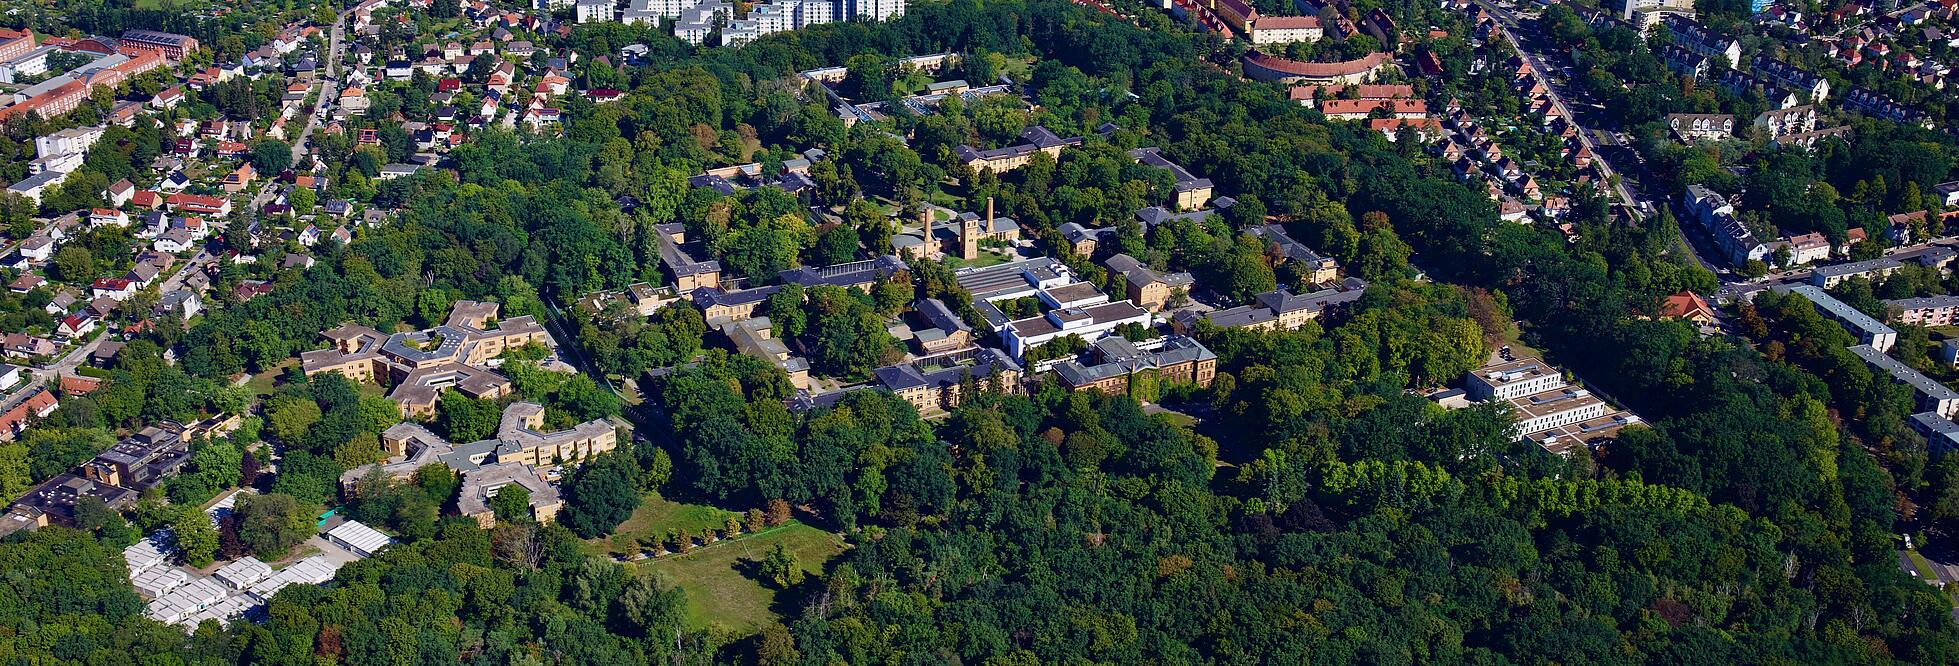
(931, 248)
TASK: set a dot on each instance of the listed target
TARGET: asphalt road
(1512, 30)
(329, 92)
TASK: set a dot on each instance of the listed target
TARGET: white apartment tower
(593, 11)
(815, 12)
(774, 17)
(876, 10)
(651, 11)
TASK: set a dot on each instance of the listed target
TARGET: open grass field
(655, 516)
(722, 587)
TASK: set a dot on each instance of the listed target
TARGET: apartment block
(1941, 434)
(1931, 395)
(1870, 269)
(1868, 329)
(1928, 311)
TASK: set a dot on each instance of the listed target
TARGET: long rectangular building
(1932, 396)
(1868, 329)
(1941, 434)
(1927, 311)
(1558, 416)
(1832, 275)
(171, 45)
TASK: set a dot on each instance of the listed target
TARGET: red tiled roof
(1365, 106)
(1685, 304)
(79, 385)
(1317, 69)
(1286, 22)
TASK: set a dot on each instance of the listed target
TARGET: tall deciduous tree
(272, 524)
(601, 494)
(195, 537)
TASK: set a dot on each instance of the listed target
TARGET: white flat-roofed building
(775, 16)
(1565, 439)
(150, 552)
(1941, 434)
(1560, 417)
(876, 10)
(698, 22)
(223, 611)
(243, 573)
(158, 581)
(1555, 408)
(1091, 323)
(310, 571)
(1512, 379)
(72, 140)
(360, 539)
(1014, 280)
(33, 63)
(815, 12)
(179, 604)
(594, 11)
(651, 11)
(1932, 396)
(1868, 329)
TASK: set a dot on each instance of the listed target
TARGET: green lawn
(1019, 68)
(655, 516)
(987, 257)
(264, 383)
(1515, 338)
(719, 579)
(1178, 419)
(1923, 566)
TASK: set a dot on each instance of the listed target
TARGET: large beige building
(520, 439)
(937, 383)
(1178, 359)
(1277, 310)
(1148, 287)
(1036, 139)
(482, 484)
(421, 364)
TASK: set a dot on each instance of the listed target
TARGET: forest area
(1325, 515)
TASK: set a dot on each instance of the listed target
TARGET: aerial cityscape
(838, 332)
